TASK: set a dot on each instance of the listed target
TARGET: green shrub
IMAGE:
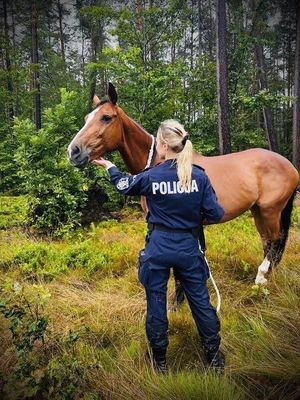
(28, 326)
(39, 261)
(12, 211)
(56, 189)
(86, 257)
(58, 193)
(39, 374)
(9, 179)
(112, 259)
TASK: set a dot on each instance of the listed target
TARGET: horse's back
(249, 177)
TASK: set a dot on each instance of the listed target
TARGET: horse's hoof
(260, 280)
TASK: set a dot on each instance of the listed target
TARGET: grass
(94, 344)
(12, 211)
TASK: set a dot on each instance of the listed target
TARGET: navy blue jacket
(168, 204)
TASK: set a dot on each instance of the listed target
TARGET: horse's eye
(106, 118)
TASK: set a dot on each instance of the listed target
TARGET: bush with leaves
(55, 188)
(9, 180)
(47, 365)
(28, 328)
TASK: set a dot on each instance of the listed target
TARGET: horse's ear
(112, 93)
(96, 100)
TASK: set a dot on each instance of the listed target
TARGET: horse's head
(101, 133)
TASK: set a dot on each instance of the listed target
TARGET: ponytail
(184, 165)
(173, 133)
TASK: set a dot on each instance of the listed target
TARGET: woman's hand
(103, 163)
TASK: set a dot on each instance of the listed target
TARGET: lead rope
(150, 156)
(215, 287)
(213, 282)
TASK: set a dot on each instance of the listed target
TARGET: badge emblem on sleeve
(123, 184)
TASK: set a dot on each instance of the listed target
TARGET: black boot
(158, 361)
(216, 360)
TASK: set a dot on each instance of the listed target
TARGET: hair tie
(185, 139)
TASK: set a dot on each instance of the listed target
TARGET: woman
(179, 196)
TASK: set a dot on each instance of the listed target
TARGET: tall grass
(94, 344)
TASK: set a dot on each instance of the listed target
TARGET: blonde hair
(174, 134)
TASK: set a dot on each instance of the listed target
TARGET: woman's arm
(212, 210)
(130, 185)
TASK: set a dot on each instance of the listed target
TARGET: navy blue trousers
(180, 251)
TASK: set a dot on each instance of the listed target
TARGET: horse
(256, 179)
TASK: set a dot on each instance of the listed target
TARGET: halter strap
(151, 153)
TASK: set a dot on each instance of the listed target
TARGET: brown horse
(255, 179)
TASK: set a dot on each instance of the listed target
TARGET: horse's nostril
(75, 151)
(78, 156)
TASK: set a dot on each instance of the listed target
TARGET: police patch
(123, 184)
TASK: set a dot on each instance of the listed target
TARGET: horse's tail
(285, 223)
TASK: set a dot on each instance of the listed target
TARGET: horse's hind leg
(278, 246)
(273, 225)
(268, 226)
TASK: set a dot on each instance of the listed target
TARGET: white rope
(214, 284)
(150, 156)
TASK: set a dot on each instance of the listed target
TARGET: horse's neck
(136, 144)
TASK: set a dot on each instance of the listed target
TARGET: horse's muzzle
(78, 157)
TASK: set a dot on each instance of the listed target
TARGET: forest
(71, 307)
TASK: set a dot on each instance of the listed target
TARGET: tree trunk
(82, 59)
(8, 63)
(35, 62)
(210, 38)
(93, 73)
(14, 42)
(190, 103)
(222, 78)
(49, 26)
(97, 43)
(140, 6)
(262, 79)
(267, 111)
(192, 35)
(173, 51)
(200, 50)
(296, 113)
(61, 32)
(13, 24)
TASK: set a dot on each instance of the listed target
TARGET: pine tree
(296, 115)
(261, 74)
(36, 66)
(222, 74)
